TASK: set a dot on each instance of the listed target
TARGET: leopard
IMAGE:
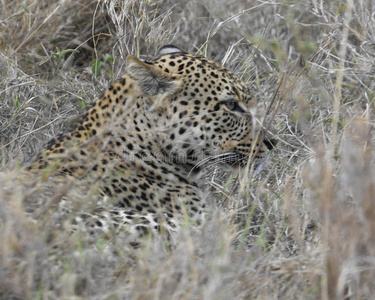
(145, 141)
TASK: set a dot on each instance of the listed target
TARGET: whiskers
(229, 158)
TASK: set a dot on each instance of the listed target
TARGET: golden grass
(301, 228)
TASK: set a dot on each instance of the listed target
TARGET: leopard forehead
(204, 77)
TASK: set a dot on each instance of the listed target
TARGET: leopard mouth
(244, 152)
(270, 143)
(238, 157)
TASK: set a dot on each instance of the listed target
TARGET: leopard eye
(233, 105)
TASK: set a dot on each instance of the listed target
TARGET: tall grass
(303, 227)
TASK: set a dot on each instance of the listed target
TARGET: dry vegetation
(301, 228)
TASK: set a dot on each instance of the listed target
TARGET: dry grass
(302, 228)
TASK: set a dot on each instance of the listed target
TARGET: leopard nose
(270, 143)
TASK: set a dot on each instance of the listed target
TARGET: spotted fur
(150, 132)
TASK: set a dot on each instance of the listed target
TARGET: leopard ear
(170, 49)
(152, 80)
